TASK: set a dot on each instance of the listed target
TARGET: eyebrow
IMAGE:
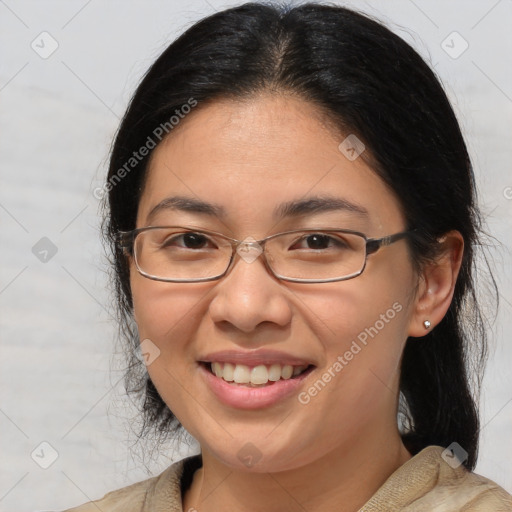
(317, 204)
(188, 204)
(295, 208)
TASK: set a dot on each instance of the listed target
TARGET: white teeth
(242, 374)
(287, 371)
(229, 372)
(257, 375)
(274, 373)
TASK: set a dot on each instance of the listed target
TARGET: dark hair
(374, 85)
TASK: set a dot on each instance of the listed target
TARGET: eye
(320, 241)
(188, 240)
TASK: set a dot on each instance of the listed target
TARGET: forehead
(251, 157)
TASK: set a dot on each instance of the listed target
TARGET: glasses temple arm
(374, 244)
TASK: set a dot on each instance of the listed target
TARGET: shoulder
(430, 483)
(461, 489)
(126, 499)
(162, 492)
(482, 495)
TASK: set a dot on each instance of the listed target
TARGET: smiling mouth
(255, 376)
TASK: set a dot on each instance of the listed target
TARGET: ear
(436, 285)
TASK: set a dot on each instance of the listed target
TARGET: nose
(249, 295)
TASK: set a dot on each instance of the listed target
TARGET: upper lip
(254, 358)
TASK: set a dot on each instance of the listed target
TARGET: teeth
(287, 371)
(228, 373)
(257, 375)
(298, 370)
(242, 374)
(274, 373)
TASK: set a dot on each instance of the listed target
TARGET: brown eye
(319, 241)
(188, 241)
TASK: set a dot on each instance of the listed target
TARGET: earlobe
(437, 284)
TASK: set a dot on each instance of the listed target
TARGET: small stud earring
(426, 323)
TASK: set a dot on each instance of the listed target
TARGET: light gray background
(57, 118)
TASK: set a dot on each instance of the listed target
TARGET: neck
(346, 475)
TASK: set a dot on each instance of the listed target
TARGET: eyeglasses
(185, 255)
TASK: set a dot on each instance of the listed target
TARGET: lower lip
(244, 397)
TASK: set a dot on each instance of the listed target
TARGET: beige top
(425, 483)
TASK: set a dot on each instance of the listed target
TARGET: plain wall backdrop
(67, 71)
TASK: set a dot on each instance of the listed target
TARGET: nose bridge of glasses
(249, 249)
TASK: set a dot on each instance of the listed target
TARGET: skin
(339, 448)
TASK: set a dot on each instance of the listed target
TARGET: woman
(293, 220)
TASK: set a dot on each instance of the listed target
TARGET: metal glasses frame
(126, 240)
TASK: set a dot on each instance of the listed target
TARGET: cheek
(362, 325)
(160, 308)
(167, 315)
(360, 309)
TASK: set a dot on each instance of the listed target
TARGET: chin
(257, 456)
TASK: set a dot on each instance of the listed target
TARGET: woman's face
(250, 158)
